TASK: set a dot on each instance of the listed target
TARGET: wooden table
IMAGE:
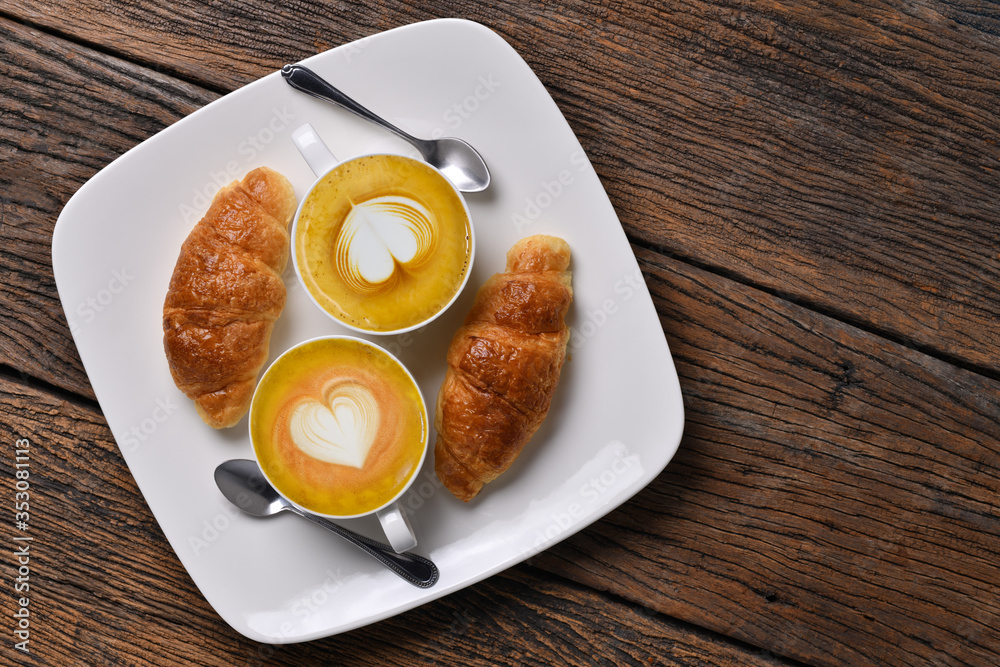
(811, 190)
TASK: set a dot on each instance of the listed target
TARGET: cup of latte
(339, 428)
(382, 243)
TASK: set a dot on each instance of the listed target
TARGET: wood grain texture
(66, 111)
(842, 154)
(833, 501)
(811, 189)
(106, 589)
(834, 498)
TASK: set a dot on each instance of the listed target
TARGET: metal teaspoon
(457, 160)
(242, 483)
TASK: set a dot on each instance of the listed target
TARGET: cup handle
(397, 528)
(319, 158)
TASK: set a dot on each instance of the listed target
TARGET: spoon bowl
(456, 159)
(243, 484)
(459, 162)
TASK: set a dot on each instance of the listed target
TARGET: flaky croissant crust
(503, 366)
(225, 294)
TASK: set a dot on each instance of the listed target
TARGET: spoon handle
(304, 79)
(417, 570)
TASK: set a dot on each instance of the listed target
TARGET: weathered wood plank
(65, 112)
(844, 154)
(105, 588)
(833, 501)
(834, 498)
(217, 46)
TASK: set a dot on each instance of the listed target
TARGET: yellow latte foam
(338, 426)
(383, 243)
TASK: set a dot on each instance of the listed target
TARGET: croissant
(225, 294)
(503, 366)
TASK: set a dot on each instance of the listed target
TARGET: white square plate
(617, 416)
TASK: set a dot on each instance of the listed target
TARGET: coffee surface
(338, 427)
(383, 242)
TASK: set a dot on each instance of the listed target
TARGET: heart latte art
(340, 430)
(338, 426)
(383, 243)
(377, 236)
